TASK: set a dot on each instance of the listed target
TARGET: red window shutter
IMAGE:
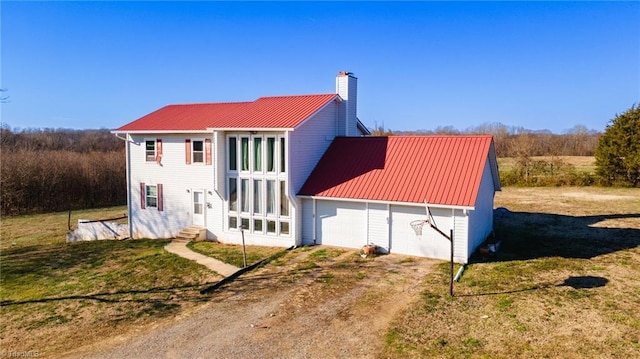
(160, 198)
(158, 150)
(187, 151)
(143, 193)
(207, 150)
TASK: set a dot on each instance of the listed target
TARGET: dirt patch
(306, 304)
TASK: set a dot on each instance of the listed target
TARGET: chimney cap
(345, 73)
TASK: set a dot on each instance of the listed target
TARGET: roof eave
(431, 205)
(141, 132)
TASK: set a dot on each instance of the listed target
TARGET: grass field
(563, 285)
(56, 295)
(581, 163)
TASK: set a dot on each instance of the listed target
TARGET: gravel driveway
(312, 303)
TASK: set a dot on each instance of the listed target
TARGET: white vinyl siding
(308, 222)
(430, 243)
(178, 180)
(341, 224)
(480, 220)
(378, 225)
(309, 142)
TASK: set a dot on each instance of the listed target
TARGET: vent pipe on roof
(347, 88)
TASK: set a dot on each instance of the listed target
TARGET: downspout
(129, 209)
(128, 175)
(315, 224)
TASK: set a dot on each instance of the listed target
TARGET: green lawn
(563, 285)
(55, 293)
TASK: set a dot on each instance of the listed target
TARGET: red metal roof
(444, 170)
(265, 112)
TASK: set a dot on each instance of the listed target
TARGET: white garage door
(342, 224)
(405, 241)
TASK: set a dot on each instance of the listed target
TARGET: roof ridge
(301, 95)
(208, 103)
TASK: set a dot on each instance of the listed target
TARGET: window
(271, 226)
(152, 196)
(233, 194)
(150, 150)
(282, 155)
(284, 227)
(244, 196)
(233, 154)
(257, 196)
(244, 147)
(257, 154)
(257, 189)
(257, 225)
(198, 152)
(271, 149)
(233, 222)
(271, 197)
(284, 200)
(244, 222)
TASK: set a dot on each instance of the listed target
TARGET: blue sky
(420, 65)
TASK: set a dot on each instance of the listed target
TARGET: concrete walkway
(180, 248)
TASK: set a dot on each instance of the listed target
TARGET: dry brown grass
(564, 284)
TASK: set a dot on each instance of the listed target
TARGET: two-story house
(227, 166)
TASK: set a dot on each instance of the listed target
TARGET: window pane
(257, 154)
(233, 154)
(257, 225)
(244, 222)
(233, 222)
(244, 195)
(271, 197)
(152, 196)
(150, 150)
(244, 142)
(282, 155)
(271, 149)
(284, 227)
(198, 202)
(198, 152)
(257, 196)
(233, 194)
(271, 226)
(284, 201)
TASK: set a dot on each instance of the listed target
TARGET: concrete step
(192, 233)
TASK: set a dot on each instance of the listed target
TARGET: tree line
(52, 170)
(517, 142)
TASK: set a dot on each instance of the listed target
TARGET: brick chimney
(347, 88)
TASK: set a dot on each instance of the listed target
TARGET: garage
(341, 224)
(368, 190)
(404, 239)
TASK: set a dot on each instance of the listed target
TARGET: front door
(198, 207)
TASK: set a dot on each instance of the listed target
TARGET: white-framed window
(244, 154)
(151, 196)
(232, 150)
(257, 183)
(150, 150)
(197, 151)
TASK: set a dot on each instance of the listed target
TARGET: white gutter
(446, 206)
